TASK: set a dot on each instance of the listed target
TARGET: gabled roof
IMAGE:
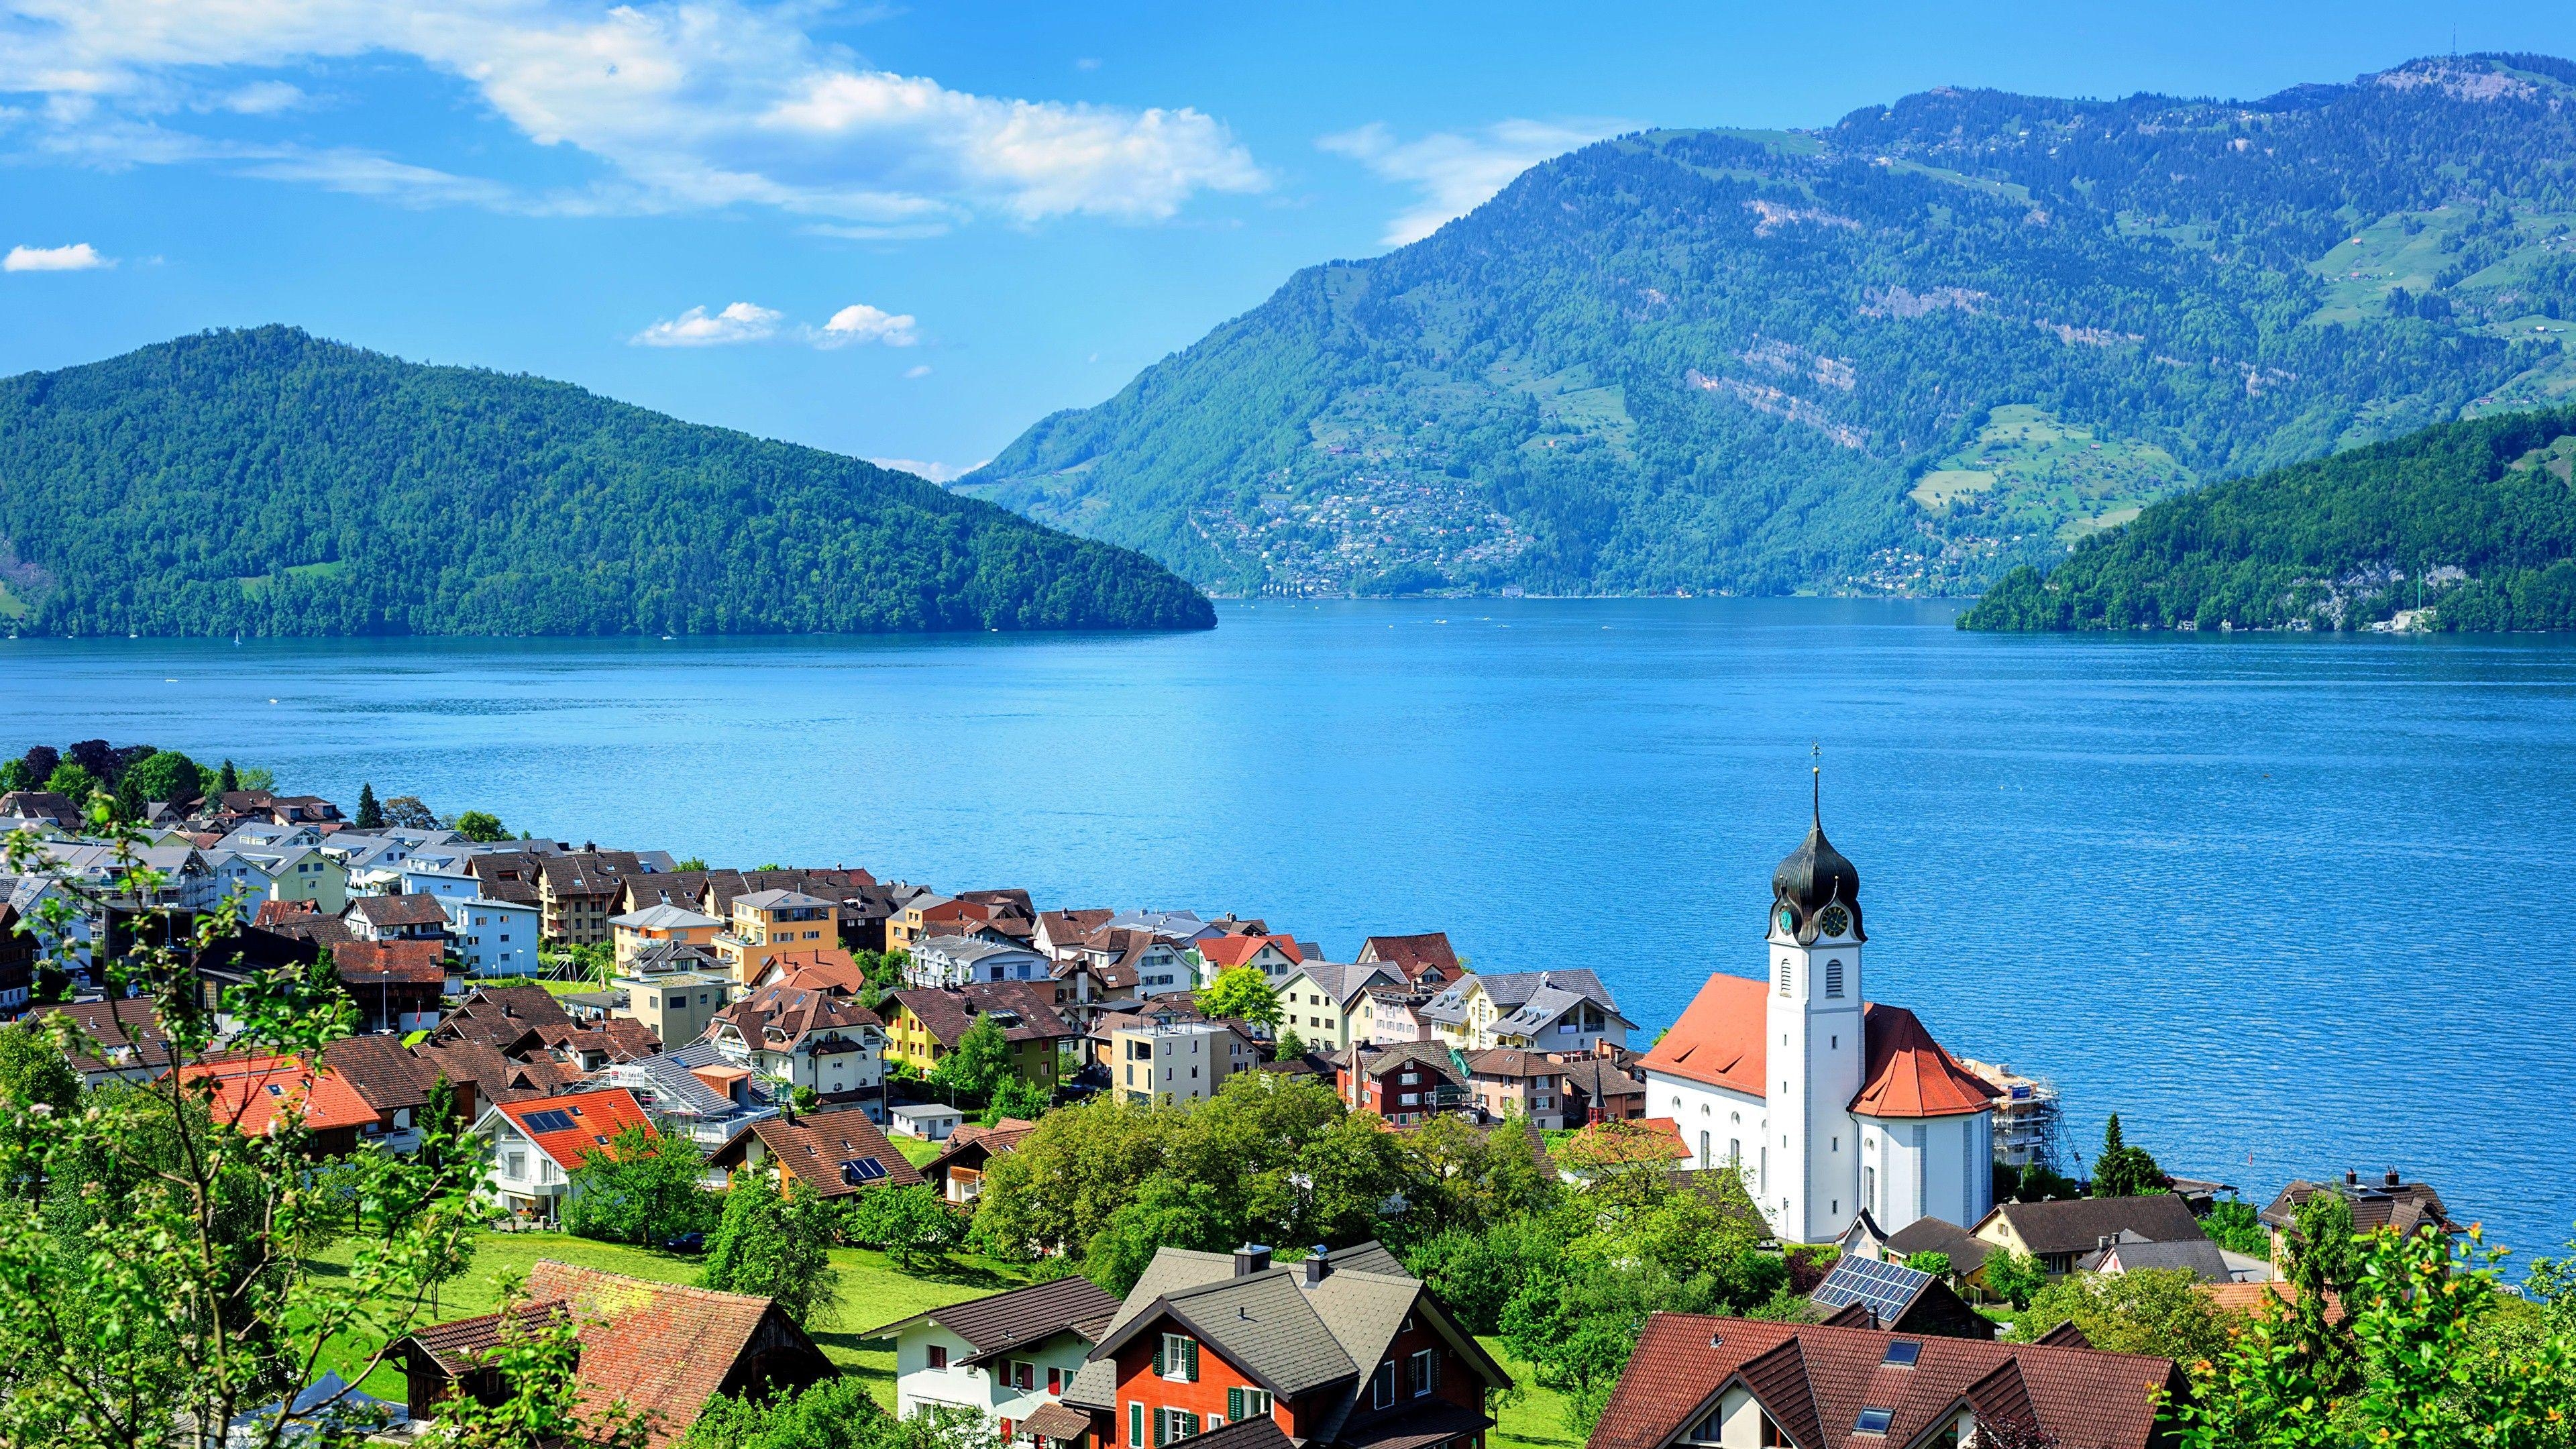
(665, 917)
(976, 1145)
(126, 1029)
(815, 1146)
(663, 1349)
(1344, 981)
(1414, 954)
(1230, 951)
(778, 900)
(381, 1070)
(1718, 1040)
(2078, 1225)
(2202, 1257)
(596, 1118)
(367, 963)
(409, 910)
(1939, 1235)
(1814, 1380)
(948, 1014)
(1512, 992)
(2390, 1202)
(1024, 1315)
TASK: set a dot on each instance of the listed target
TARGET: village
(1875, 1224)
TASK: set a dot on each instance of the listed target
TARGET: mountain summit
(1906, 352)
(268, 482)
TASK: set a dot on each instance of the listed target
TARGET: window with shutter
(1382, 1385)
(1190, 1353)
(1234, 1405)
(1162, 1427)
(1135, 1424)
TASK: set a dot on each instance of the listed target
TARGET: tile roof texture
(255, 1095)
(1815, 1380)
(814, 1146)
(408, 910)
(125, 1029)
(1229, 951)
(2203, 1257)
(1414, 954)
(366, 963)
(597, 1118)
(664, 1350)
(1908, 1075)
(948, 1014)
(381, 1070)
(1939, 1235)
(2390, 1202)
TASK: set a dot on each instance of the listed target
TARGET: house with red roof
(1276, 956)
(261, 1096)
(536, 1143)
(1831, 1104)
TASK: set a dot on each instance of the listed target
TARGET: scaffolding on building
(2028, 1123)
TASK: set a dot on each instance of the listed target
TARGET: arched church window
(1833, 978)
(1785, 973)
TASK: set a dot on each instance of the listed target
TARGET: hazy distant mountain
(268, 482)
(1907, 351)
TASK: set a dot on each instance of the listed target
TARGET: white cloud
(78, 257)
(860, 322)
(1455, 172)
(690, 104)
(741, 322)
(917, 370)
(260, 98)
(935, 472)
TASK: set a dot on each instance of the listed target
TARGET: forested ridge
(2473, 524)
(1904, 352)
(268, 482)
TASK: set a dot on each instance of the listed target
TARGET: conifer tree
(371, 816)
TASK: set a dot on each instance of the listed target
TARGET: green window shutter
(1190, 1348)
(1135, 1424)
(1194, 1425)
(1159, 1370)
(1233, 1405)
(1162, 1427)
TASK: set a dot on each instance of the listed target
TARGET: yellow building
(636, 930)
(767, 924)
(925, 1025)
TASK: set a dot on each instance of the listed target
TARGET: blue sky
(906, 232)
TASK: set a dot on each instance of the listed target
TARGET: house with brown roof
(1343, 1350)
(1425, 959)
(1701, 1381)
(1403, 1084)
(397, 918)
(836, 1154)
(130, 1044)
(1007, 1358)
(958, 1170)
(1861, 1111)
(659, 1349)
(398, 985)
(1059, 933)
(396, 1085)
(923, 1026)
(1553, 1089)
(578, 891)
(2061, 1231)
(2390, 1202)
(804, 1036)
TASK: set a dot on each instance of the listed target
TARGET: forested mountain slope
(2468, 526)
(1905, 352)
(268, 482)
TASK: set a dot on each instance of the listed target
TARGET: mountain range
(268, 482)
(1907, 352)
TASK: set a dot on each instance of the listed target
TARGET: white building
(492, 938)
(1829, 1102)
(1005, 1359)
(948, 961)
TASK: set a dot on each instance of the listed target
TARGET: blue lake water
(2289, 904)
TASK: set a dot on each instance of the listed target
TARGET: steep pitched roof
(664, 916)
(1815, 1380)
(1718, 1040)
(368, 963)
(596, 1117)
(663, 1349)
(256, 1094)
(385, 912)
(1343, 981)
(2391, 1202)
(2204, 1258)
(1414, 954)
(815, 1145)
(126, 1029)
(1230, 951)
(1023, 1315)
(1967, 1252)
(1911, 1075)
(381, 1070)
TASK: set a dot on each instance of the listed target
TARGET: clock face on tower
(1788, 921)
(1835, 920)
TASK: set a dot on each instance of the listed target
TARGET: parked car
(686, 1243)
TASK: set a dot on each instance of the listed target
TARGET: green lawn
(1532, 1417)
(873, 1293)
(915, 1151)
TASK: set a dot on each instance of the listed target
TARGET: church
(1832, 1103)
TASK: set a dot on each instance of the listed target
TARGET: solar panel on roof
(856, 1170)
(1886, 1289)
(549, 1120)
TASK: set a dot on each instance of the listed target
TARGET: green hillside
(1905, 352)
(2468, 526)
(268, 482)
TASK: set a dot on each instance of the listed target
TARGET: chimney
(2101, 1242)
(1318, 1267)
(2351, 1178)
(1251, 1258)
(2394, 1180)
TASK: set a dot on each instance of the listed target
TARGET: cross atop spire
(1816, 780)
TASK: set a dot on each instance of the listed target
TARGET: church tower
(1815, 1051)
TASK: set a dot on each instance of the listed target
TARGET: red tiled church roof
(1719, 1041)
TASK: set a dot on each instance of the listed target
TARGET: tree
(14, 775)
(405, 812)
(977, 1064)
(258, 777)
(1933, 1262)
(228, 779)
(2235, 1226)
(154, 1283)
(73, 780)
(1243, 993)
(371, 816)
(776, 1246)
(1289, 1045)
(130, 803)
(481, 826)
(2013, 1277)
(643, 1187)
(841, 1412)
(695, 862)
(1019, 1097)
(910, 1225)
(167, 776)
(2158, 1311)
(2122, 1170)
